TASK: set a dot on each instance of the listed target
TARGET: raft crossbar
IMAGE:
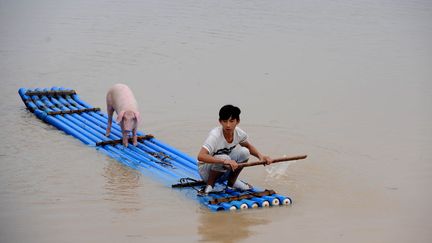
(73, 111)
(119, 141)
(241, 197)
(51, 92)
(189, 184)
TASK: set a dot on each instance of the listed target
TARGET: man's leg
(210, 173)
(233, 177)
(213, 176)
(241, 155)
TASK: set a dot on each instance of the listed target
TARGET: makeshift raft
(63, 109)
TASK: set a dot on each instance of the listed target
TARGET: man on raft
(220, 156)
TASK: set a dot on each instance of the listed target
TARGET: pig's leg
(110, 111)
(135, 140)
(125, 138)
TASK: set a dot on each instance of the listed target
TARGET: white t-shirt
(217, 144)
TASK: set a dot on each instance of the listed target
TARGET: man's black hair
(229, 111)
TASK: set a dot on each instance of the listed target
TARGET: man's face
(229, 125)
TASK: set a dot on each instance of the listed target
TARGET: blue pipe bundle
(64, 109)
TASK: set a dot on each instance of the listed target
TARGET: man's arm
(205, 157)
(254, 151)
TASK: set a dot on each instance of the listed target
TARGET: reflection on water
(121, 186)
(228, 227)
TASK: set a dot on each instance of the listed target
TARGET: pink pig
(121, 100)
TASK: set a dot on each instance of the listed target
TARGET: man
(220, 153)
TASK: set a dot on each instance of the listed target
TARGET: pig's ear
(138, 116)
(120, 117)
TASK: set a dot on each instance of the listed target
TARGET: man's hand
(231, 163)
(267, 159)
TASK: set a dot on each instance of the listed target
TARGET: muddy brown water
(346, 82)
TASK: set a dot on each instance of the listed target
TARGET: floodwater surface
(349, 83)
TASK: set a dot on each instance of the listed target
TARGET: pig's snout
(129, 123)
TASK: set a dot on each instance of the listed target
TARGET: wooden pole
(283, 159)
